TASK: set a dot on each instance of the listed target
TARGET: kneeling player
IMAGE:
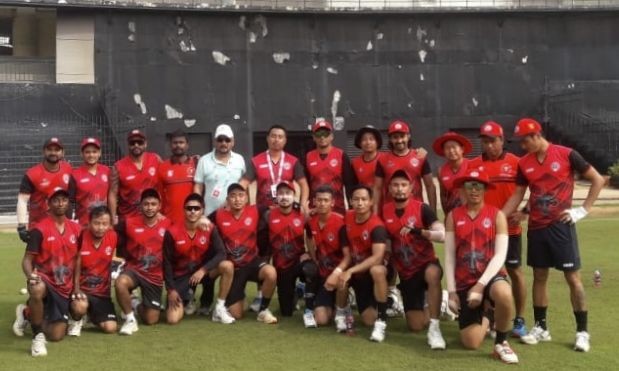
(475, 250)
(412, 225)
(193, 256)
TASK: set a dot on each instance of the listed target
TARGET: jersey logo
(460, 222)
(529, 170)
(248, 221)
(191, 171)
(85, 180)
(506, 168)
(445, 178)
(286, 165)
(388, 220)
(365, 235)
(313, 163)
(555, 166)
(414, 162)
(226, 224)
(181, 242)
(170, 173)
(330, 237)
(275, 221)
(51, 238)
(72, 239)
(333, 163)
(104, 178)
(486, 223)
(390, 163)
(411, 221)
(138, 230)
(152, 171)
(263, 166)
(85, 253)
(44, 182)
(130, 177)
(108, 250)
(296, 222)
(65, 178)
(161, 231)
(203, 240)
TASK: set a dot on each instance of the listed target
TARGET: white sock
(259, 295)
(434, 322)
(130, 316)
(340, 311)
(221, 302)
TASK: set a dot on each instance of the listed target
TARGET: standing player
(453, 147)
(412, 227)
(548, 171)
(475, 250)
(193, 256)
(91, 180)
(369, 141)
(502, 167)
(329, 165)
(142, 247)
(130, 176)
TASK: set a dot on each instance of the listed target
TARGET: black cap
(150, 193)
(234, 187)
(373, 131)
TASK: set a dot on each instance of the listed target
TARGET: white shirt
(217, 176)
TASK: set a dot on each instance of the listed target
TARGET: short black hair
(148, 193)
(277, 126)
(98, 211)
(362, 186)
(324, 189)
(177, 134)
(194, 197)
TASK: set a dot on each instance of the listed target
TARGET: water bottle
(597, 278)
(350, 323)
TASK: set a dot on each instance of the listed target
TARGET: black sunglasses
(136, 143)
(193, 208)
(224, 139)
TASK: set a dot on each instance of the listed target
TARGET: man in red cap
(475, 251)
(369, 140)
(501, 167)
(329, 165)
(91, 180)
(453, 147)
(402, 156)
(548, 171)
(130, 176)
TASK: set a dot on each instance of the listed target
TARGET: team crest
(72, 239)
(365, 235)
(296, 222)
(44, 182)
(506, 168)
(414, 162)
(333, 163)
(390, 163)
(152, 171)
(65, 178)
(555, 166)
(248, 221)
(286, 165)
(161, 231)
(330, 237)
(203, 240)
(411, 221)
(104, 178)
(486, 223)
(190, 171)
(108, 250)
(170, 173)
(487, 128)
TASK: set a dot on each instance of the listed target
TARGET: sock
(581, 320)
(221, 302)
(389, 302)
(309, 300)
(500, 337)
(434, 322)
(382, 310)
(36, 329)
(539, 313)
(130, 316)
(259, 295)
(340, 311)
(264, 303)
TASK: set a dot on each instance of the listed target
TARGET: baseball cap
(57, 191)
(526, 126)
(322, 124)
(476, 175)
(400, 174)
(399, 126)
(491, 129)
(136, 133)
(224, 130)
(53, 141)
(368, 129)
(148, 193)
(234, 187)
(90, 141)
(285, 183)
(450, 135)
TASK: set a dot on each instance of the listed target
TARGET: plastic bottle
(350, 323)
(597, 278)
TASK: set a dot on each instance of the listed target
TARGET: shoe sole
(582, 350)
(376, 340)
(17, 330)
(497, 356)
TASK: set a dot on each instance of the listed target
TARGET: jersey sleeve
(250, 173)
(34, 243)
(343, 237)
(264, 245)
(121, 232)
(426, 168)
(198, 177)
(168, 255)
(521, 180)
(299, 172)
(216, 253)
(379, 234)
(379, 172)
(428, 217)
(578, 163)
(26, 185)
(348, 175)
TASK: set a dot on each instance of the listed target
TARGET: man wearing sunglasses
(130, 176)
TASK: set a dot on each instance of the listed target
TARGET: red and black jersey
(240, 236)
(365, 170)
(551, 183)
(328, 241)
(55, 253)
(286, 237)
(475, 238)
(502, 173)
(361, 236)
(175, 183)
(38, 182)
(259, 171)
(327, 171)
(412, 252)
(144, 248)
(415, 167)
(90, 190)
(447, 176)
(132, 181)
(189, 253)
(96, 262)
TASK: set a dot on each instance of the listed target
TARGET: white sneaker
(255, 304)
(75, 327)
(190, 308)
(129, 327)
(536, 335)
(378, 333)
(397, 309)
(435, 338)
(20, 324)
(582, 342)
(38, 348)
(265, 316)
(308, 319)
(505, 353)
(340, 322)
(221, 314)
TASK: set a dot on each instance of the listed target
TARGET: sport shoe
(435, 337)
(265, 316)
(221, 314)
(204, 311)
(378, 333)
(340, 322)
(190, 308)
(582, 342)
(20, 324)
(396, 309)
(75, 327)
(536, 335)
(505, 353)
(308, 319)
(520, 329)
(38, 348)
(255, 304)
(129, 327)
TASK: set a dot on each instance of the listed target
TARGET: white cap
(224, 130)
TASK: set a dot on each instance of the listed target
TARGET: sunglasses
(224, 139)
(136, 143)
(193, 208)
(474, 185)
(322, 133)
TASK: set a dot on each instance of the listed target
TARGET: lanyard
(275, 181)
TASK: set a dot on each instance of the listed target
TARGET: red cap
(56, 191)
(450, 135)
(399, 126)
(475, 175)
(322, 124)
(90, 141)
(491, 129)
(53, 141)
(285, 183)
(136, 133)
(527, 126)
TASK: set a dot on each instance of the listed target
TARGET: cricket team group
(353, 231)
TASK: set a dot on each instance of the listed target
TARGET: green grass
(199, 343)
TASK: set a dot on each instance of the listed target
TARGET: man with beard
(453, 147)
(91, 180)
(130, 176)
(548, 171)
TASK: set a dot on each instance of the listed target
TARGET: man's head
(474, 184)
(150, 202)
(236, 197)
(99, 221)
(179, 143)
(323, 199)
(194, 207)
(452, 146)
(492, 139)
(224, 139)
(400, 186)
(53, 150)
(285, 194)
(136, 140)
(322, 132)
(58, 201)
(368, 139)
(399, 136)
(361, 199)
(276, 138)
(91, 150)
(529, 133)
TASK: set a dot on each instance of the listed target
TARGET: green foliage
(613, 170)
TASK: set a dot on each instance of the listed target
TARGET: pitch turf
(198, 343)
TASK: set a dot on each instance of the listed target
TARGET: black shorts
(55, 306)
(414, 289)
(470, 316)
(363, 285)
(100, 309)
(151, 294)
(243, 274)
(514, 251)
(554, 246)
(185, 290)
(324, 298)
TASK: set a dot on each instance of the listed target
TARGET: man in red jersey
(130, 176)
(39, 180)
(241, 226)
(502, 167)
(402, 156)
(475, 250)
(548, 171)
(369, 141)
(176, 177)
(453, 147)
(194, 255)
(412, 227)
(329, 165)
(326, 243)
(141, 244)
(93, 283)
(49, 265)
(367, 274)
(92, 180)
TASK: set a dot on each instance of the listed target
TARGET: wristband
(338, 270)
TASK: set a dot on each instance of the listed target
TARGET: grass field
(248, 345)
